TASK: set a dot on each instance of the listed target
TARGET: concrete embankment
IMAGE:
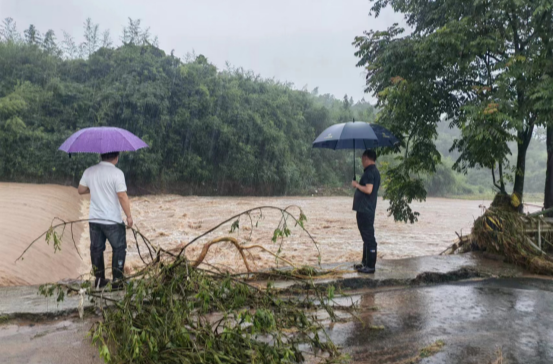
(26, 211)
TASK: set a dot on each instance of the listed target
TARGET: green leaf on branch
(235, 226)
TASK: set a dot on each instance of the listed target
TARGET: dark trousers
(365, 223)
(117, 236)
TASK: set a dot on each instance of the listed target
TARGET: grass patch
(431, 349)
(425, 352)
(374, 327)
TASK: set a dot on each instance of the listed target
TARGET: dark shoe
(358, 266)
(366, 270)
(118, 285)
(100, 282)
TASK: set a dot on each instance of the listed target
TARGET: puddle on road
(474, 319)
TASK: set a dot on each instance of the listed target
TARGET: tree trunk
(520, 168)
(548, 197)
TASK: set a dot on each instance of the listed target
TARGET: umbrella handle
(354, 160)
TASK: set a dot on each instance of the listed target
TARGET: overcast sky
(306, 42)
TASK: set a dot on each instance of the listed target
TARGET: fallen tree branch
(172, 310)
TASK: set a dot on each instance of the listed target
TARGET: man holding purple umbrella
(108, 195)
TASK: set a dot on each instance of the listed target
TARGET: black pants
(365, 223)
(117, 236)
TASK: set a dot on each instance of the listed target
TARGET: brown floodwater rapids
(170, 221)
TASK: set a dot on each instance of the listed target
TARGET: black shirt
(361, 201)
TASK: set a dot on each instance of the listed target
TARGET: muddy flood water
(171, 221)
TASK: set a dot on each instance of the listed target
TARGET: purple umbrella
(102, 140)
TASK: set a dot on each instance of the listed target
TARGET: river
(171, 221)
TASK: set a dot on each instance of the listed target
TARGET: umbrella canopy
(102, 140)
(355, 134)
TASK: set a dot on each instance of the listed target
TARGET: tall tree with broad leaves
(480, 65)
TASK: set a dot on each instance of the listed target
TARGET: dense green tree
(481, 65)
(49, 44)
(92, 40)
(8, 31)
(32, 35)
(210, 131)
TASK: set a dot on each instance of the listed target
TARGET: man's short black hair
(371, 154)
(109, 156)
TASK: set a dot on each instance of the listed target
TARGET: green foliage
(401, 190)
(477, 180)
(187, 315)
(53, 236)
(483, 66)
(172, 311)
(210, 131)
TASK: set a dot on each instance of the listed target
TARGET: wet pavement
(55, 342)
(24, 301)
(418, 270)
(407, 306)
(476, 321)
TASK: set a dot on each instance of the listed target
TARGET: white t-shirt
(104, 181)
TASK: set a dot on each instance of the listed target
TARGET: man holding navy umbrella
(364, 203)
(359, 134)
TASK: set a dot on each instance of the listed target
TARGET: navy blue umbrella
(355, 134)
